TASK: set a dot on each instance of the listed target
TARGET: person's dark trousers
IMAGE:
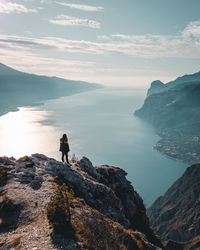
(66, 156)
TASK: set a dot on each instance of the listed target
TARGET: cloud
(28, 32)
(8, 7)
(53, 44)
(136, 38)
(103, 37)
(74, 21)
(75, 69)
(82, 7)
(32, 53)
(32, 62)
(186, 44)
(183, 45)
(192, 30)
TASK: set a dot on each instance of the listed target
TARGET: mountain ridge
(11, 71)
(24, 89)
(158, 86)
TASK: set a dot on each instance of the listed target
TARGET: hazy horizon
(107, 42)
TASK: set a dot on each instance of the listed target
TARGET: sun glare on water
(22, 133)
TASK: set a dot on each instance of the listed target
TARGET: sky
(112, 42)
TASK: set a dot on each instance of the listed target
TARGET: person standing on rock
(64, 147)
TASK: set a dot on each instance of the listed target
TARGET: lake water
(101, 126)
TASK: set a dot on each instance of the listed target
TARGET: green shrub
(58, 210)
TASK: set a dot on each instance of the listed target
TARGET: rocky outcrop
(175, 215)
(175, 114)
(156, 87)
(103, 189)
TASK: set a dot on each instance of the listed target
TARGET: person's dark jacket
(64, 146)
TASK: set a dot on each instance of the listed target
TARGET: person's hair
(64, 137)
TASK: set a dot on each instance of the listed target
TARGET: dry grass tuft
(16, 242)
(98, 232)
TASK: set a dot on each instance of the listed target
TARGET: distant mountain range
(21, 89)
(174, 110)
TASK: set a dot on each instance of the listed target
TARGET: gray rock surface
(103, 188)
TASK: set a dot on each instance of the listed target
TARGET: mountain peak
(156, 87)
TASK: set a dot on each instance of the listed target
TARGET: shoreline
(8, 107)
(185, 151)
(178, 144)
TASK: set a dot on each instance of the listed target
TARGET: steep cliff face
(175, 114)
(104, 203)
(172, 108)
(176, 214)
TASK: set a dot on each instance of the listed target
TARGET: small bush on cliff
(58, 210)
(6, 205)
(9, 212)
(3, 175)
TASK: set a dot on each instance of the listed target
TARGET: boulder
(86, 165)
